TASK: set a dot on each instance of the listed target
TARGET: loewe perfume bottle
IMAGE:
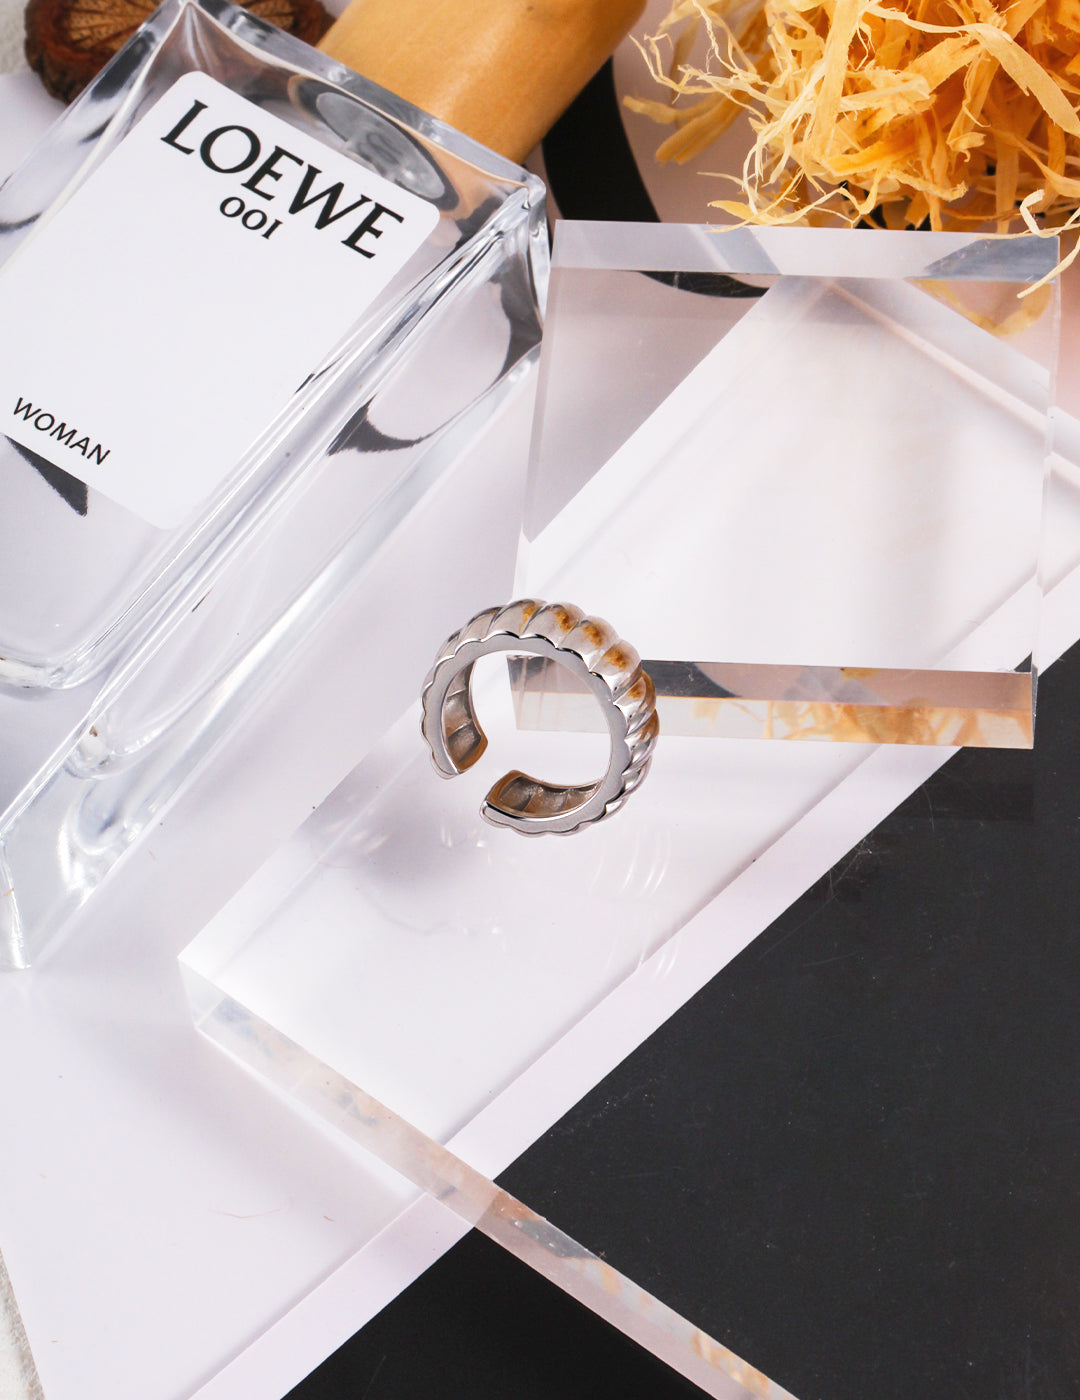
(253, 305)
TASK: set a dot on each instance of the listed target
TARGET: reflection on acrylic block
(813, 491)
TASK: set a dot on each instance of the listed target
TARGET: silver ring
(592, 649)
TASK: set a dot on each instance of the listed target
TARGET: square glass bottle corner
(302, 302)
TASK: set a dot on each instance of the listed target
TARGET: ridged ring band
(589, 647)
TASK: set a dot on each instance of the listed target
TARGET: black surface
(876, 1110)
(591, 171)
(480, 1324)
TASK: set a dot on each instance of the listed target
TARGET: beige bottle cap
(501, 71)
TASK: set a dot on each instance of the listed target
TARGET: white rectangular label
(154, 326)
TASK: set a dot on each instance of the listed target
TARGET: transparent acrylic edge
(718, 1371)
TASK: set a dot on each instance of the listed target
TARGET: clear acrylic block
(441, 990)
(129, 646)
(802, 471)
(419, 978)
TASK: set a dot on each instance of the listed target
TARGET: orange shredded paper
(947, 113)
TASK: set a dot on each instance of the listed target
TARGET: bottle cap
(501, 71)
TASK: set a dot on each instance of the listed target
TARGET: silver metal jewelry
(588, 646)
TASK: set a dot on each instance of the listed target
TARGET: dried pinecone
(68, 42)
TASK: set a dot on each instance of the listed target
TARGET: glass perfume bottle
(254, 306)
